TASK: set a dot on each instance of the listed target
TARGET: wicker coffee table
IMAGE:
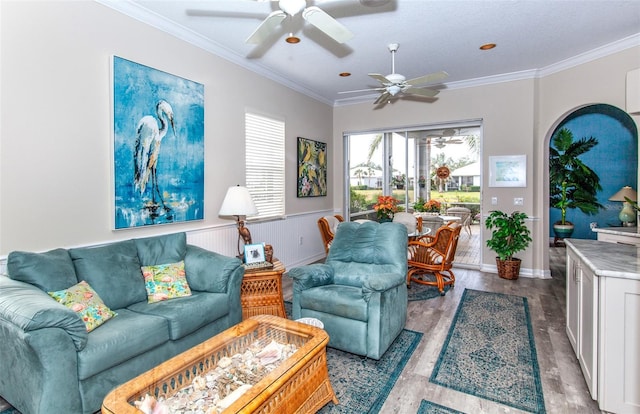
(300, 384)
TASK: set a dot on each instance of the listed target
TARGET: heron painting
(158, 129)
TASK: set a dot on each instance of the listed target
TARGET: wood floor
(564, 388)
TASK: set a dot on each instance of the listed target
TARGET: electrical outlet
(494, 201)
(518, 201)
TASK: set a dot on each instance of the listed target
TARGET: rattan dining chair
(434, 255)
(328, 226)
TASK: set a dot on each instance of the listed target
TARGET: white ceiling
(533, 37)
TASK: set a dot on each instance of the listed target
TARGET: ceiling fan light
(292, 39)
(393, 90)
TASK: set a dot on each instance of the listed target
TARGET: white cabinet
(582, 318)
(572, 273)
(603, 321)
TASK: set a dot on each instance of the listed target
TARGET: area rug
(363, 384)
(418, 291)
(428, 407)
(490, 352)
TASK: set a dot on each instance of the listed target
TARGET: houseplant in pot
(572, 184)
(509, 235)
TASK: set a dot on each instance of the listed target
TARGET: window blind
(265, 164)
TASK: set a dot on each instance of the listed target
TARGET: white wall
(55, 141)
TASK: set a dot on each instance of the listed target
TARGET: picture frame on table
(254, 253)
(508, 171)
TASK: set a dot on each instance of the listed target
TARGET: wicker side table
(261, 292)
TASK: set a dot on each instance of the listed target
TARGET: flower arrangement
(386, 207)
(432, 206)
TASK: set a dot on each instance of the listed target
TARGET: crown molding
(161, 23)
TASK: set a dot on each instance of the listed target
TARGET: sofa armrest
(209, 271)
(306, 277)
(29, 309)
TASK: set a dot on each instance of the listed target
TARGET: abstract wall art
(312, 168)
(158, 146)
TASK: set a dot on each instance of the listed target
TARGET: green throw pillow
(84, 301)
(166, 281)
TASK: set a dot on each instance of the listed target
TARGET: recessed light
(344, 74)
(487, 46)
(292, 39)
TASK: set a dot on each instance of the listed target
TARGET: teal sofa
(359, 292)
(50, 364)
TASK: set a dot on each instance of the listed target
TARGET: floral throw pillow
(166, 281)
(84, 301)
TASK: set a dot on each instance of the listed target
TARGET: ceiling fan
(396, 84)
(290, 8)
(440, 139)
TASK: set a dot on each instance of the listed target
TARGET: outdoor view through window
(427, 172)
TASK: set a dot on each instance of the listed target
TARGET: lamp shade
(238, 202)
(625, 191)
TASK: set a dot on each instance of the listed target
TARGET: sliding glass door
(416, 165)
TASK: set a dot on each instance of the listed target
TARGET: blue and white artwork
(158, 127)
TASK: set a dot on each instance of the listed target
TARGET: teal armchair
(359, 292)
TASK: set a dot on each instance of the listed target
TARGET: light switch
(494, 201)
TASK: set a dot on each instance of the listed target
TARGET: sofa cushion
(340, 300)
(187, 314)
(170, 248)
(208, 271)
(113, 271)
(124, 337)
(165, 282)
(84, 301)
(52, 270)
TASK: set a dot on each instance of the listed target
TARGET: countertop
(608, 259)
(619, 231)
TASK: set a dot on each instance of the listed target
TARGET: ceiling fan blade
(432, 77)
(330, 26)
(422, 91)
(267, 27)
(383, 80)
(382, 98)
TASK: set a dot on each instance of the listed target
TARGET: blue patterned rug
(362, 384)
(417, 291)
(490, 352)
(428, 407)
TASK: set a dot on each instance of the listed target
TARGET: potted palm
(509, 235)
(572, 184)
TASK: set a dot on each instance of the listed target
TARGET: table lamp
(238, 203)
(627, 214)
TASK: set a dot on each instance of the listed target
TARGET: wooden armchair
(328, 226)
(434, 255)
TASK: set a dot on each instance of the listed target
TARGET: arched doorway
(614, 159)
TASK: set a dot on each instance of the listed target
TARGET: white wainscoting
(295, 239)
